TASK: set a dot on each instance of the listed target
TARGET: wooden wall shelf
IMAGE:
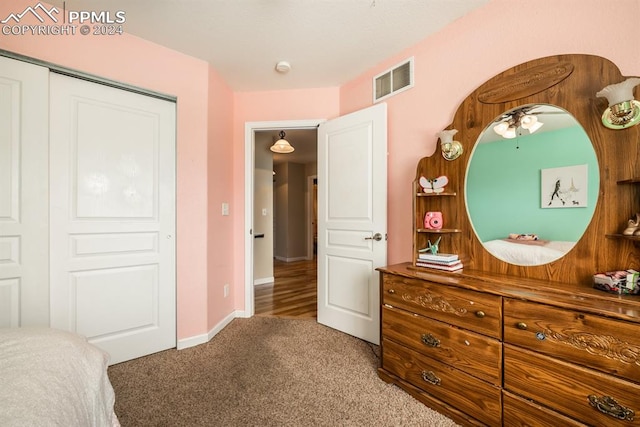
(441, 231)
(623, 236)
(630, 181)
(436, 194)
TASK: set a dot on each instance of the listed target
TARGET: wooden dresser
(527, 342)
(499, 350)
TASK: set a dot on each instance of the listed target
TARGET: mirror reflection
(531, 185)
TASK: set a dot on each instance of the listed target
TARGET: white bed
(528, 252)
(53, 378)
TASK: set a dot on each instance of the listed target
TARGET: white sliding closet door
(24, 157)
(112, 217)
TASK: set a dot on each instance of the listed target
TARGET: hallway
(294, 293)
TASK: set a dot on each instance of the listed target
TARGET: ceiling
(327, 42)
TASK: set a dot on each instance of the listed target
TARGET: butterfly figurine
(435, 185)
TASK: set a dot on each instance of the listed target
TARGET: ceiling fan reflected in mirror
(508, 124)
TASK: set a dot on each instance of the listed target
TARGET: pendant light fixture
(282, 146)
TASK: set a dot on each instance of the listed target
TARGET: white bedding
(527, 254)
(53, 378)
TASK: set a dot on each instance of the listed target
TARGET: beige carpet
(266, 372)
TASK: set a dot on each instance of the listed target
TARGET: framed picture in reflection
(564, 187)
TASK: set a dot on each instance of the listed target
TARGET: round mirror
(531, 185)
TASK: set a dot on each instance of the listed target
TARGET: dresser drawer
(589, 396)
(472, 310)
(452, 386)
(612, 346)
(472, 353)
(525, 413)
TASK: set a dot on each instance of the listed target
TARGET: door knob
(377, 237)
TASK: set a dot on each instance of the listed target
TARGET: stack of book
(447, 262)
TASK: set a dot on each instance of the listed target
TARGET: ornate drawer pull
(430, 341)
(391, 291)
(480, 314)
(608, 405)
(430, 377)
(521, 325)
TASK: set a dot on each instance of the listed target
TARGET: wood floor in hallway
(294, 293)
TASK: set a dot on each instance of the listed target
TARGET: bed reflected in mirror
(531, 185)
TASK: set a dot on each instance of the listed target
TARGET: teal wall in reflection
(503, 191)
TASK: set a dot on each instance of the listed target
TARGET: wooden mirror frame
(569, 82)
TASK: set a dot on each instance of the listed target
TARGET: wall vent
(395, 80)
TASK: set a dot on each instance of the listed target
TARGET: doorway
(352, 224)
(278, 247)
(284, 268)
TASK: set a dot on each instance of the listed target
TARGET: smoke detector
(283, 67)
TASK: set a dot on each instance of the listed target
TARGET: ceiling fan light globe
(501, 128)
(528, 121)
(510, 133)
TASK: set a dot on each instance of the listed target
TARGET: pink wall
(449, 65)
(137, 62)
(220, 253)
(452, 63)
(304, 104)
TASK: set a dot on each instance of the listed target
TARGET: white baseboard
(300, 258)
(242, 314)
(204, 338)
(192, 341)
(263, 281)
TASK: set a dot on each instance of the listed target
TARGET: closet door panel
(24, 106)
(113, 217)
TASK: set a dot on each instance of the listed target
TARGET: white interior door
(24, 228)
(352, 220)
(112, 217)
